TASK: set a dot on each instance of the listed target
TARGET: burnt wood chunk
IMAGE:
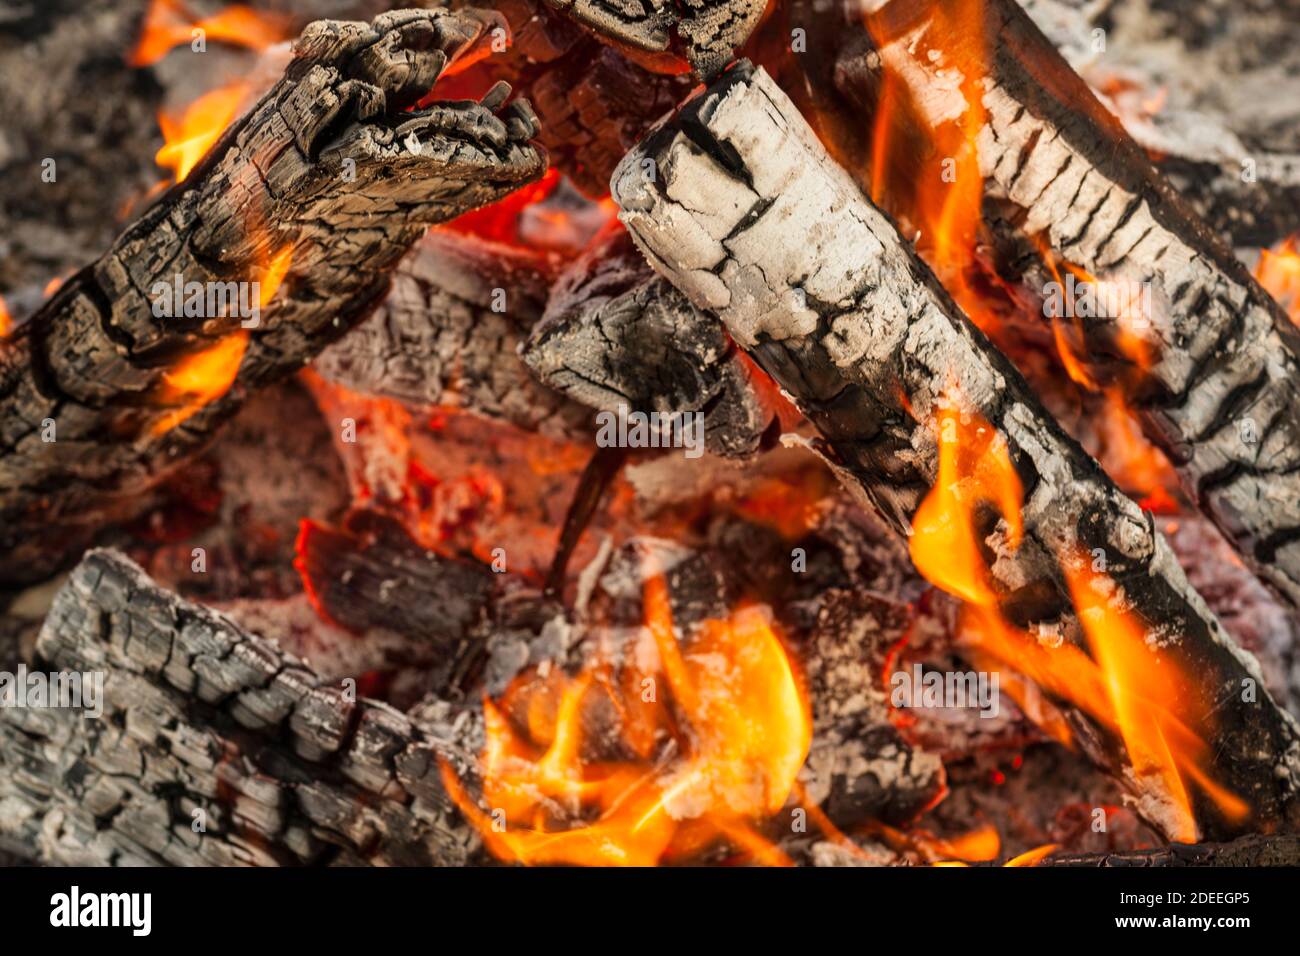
(449, 332)
(751, 218)
(330, 174)
(371, 574)
(616, 335)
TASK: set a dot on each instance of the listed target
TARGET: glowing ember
(719, 726)
(190, 133)
(169, 24)
(1278, 271)
(1126, 685)
(6, 321)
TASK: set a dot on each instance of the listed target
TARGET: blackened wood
(602, 467)
(370, 573)
(860, 767)
(616, 336)
(750, 217)
(217, 748)
(706, 33)
(330, 165)
(1254, 850)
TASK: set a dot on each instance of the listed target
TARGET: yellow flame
(739, 728)
(189, 133)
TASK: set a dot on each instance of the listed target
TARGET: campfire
(720, 433)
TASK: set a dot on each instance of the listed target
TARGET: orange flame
(935, 185)
(6, 321)
(974, 468)
(189, 133)
(1126, 685)
(709, 767)
(1278, 271)
(169, 24)
(1132, 461)
(199, 379)
(206, 375)
(1033, 857)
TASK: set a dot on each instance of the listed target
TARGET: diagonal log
(1221, 395)
(748, 215)
(331, 173)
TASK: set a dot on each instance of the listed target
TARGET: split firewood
(214, 747)
(449, 332)
(748, 215)
(615, 335)
(1209, 362)
(278, 241)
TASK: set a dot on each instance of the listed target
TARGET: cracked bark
(217, 748)
(818, 286)
(328, 164)
(449, 332)
(1222, 396)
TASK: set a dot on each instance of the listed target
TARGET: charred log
(1253, 850)
(329, 168)
(370, 573)
(705, 32)
(818, 286)
(214, 747)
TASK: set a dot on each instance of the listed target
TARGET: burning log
(449, 332)
(1209, 362)
(215, 747)
(615, 335)
(278, 241)
(749, 216)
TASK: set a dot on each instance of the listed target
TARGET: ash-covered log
(214, 747)
(749, 216)
(1210, 362)
(449, 332)
(318, 191)
(615, 335)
